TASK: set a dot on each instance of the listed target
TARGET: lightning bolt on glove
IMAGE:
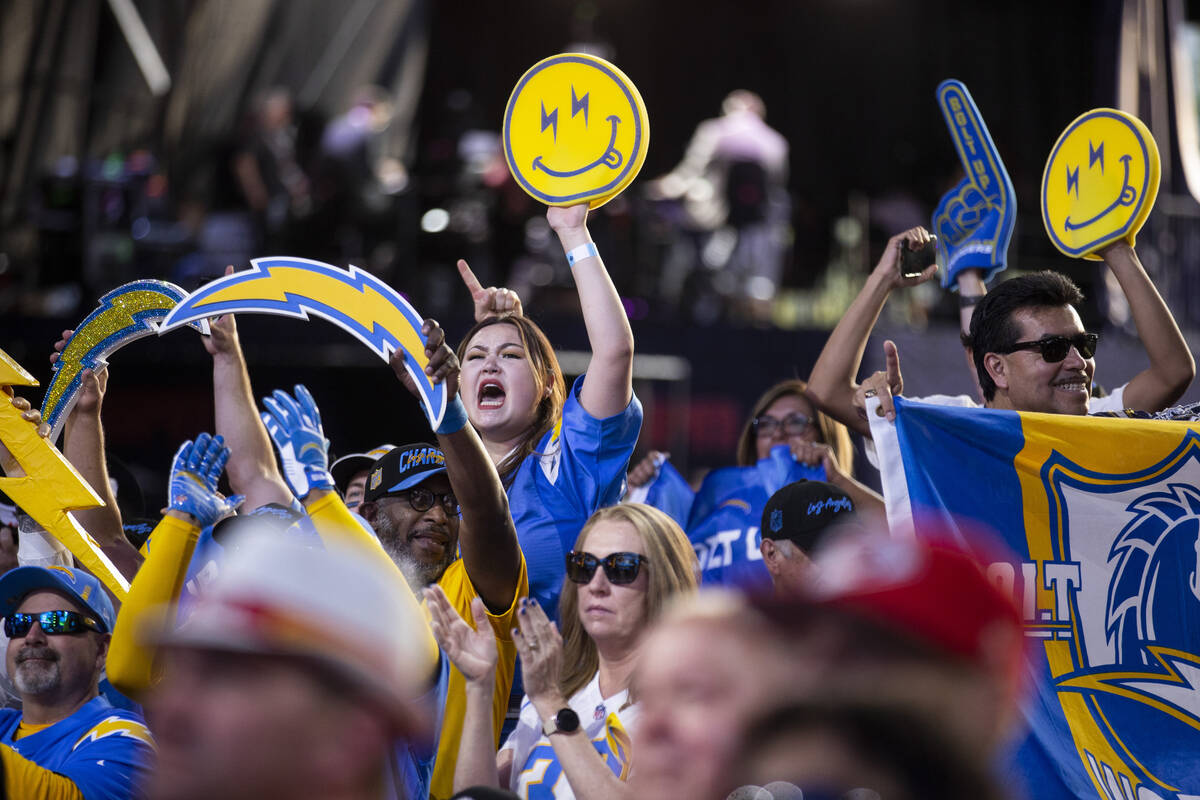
(295, 427)
(194, 475)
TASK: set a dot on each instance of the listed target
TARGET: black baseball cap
(801, 511)
(403, 468)
(274, 517)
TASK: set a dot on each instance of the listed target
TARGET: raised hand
(539, 645)
(884, 385)
(223, 336)
(489, 302)
(974, 221)
(888, 266)
(443, 363)
(192, 488)
(646, 470)
(472, 650)
(295, 426)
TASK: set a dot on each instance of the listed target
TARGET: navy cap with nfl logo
(801, 511)
(403, 468)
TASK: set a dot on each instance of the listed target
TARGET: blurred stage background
(168, 138)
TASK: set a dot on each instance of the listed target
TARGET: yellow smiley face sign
(575, 131)
(1100, 182)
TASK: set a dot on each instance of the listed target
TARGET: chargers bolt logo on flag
(575, 130)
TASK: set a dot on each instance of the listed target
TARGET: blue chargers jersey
(104, 751)
(726, 512)
(578, 468)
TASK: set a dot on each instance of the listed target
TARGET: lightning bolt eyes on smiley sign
(125, 314)
(1100, 182)
(50, 486)
(575, 130)
(355, 301)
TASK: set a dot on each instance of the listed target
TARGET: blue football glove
(295, 427)
(974, 221)
(193, 485)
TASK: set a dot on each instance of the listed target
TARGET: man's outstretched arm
(1171, 367)
(833, 381)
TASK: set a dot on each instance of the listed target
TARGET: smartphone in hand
(913, 262)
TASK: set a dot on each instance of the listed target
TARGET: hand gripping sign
(355, 301)
(50, 486)
(575, 131)
(1100, 182)
(125, 314)
(974, 221)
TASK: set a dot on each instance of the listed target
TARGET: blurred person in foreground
(292, 678)
(875, 625)
(572, 738)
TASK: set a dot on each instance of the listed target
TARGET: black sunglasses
(1055, 348)
(53, 623)
(793, 424)
(619, 568)
(423, 499)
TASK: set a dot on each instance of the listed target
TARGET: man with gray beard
(67, 741)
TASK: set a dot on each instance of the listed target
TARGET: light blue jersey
(578, 468)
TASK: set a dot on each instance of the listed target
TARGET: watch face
(567, 720)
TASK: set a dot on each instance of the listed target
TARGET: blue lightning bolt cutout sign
(975, 219)
(125, 314)
(355, 301)
(50, 487)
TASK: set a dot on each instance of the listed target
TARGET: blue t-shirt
(578, 468)
(104, 751)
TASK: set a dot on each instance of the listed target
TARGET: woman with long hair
(576, 718)
(562, 453)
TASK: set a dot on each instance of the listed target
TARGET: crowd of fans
(490, 614)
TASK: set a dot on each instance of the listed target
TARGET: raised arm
(1171, 365)
(83, 446)
(487, 537)
(608, 387)
(193, 503)
(971, 289)
(294, 424)
(252, 470)
(833, 380)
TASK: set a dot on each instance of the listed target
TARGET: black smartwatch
(565, 721)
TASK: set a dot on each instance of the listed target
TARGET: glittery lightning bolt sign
(126, 313)
(50, 486)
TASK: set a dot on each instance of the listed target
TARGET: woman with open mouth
(561, 454)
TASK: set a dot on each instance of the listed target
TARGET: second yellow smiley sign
(1100, 182)
(575, 131)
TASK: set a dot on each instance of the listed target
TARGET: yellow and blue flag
(1103, 515)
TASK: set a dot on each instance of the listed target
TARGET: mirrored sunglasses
(52, 623)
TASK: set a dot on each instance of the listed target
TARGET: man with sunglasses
(1027, 342)
(68, 741)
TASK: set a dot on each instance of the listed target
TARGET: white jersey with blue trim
(104, 751)
(607, 721)
(577, 468)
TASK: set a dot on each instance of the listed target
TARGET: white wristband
(583, 251)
